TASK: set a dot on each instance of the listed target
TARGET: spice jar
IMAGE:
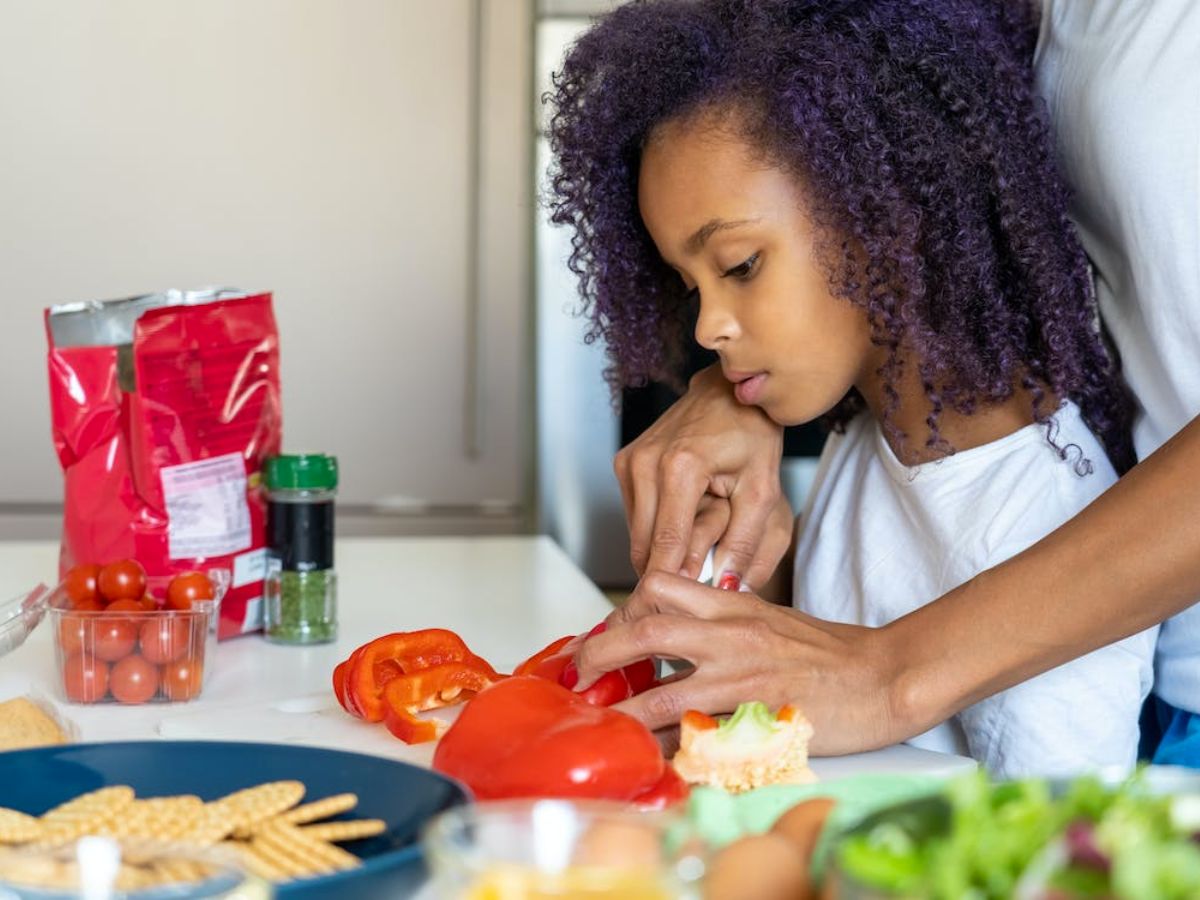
(301, 584)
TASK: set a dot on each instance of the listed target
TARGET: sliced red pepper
(387, 658)
(553, 649)
(347, 696)
(427, 689)
(641, 676)
(528, 737)
(554, 664)
(609, 688)
(669, 790)
(436, 686)
(339, 683)
(409, 728)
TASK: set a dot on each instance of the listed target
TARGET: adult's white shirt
(1122, 80)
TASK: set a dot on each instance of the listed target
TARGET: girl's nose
(716, 323)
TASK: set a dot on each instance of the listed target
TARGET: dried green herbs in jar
(301, 584)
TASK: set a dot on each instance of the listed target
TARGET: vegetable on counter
(392, 678)
(1027, 839)
(752, 748)
(554, 663)
(529, 737)
(123, 636)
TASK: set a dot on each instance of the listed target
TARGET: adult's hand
(744, 648)
(1109, 575)
(706, 444)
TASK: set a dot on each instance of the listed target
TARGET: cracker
(350, 830)
(80, 816)
(270, 856)
(306, 849)
(17, 827)
(256, 864)
(24, 723)
(256, 804)
(320, 809)
(211, 824)
(159, 818)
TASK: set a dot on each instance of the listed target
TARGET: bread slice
(750, 749)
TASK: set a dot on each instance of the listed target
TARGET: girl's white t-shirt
(1122, 81)
(879, 539)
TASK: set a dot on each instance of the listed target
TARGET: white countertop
(506, 596)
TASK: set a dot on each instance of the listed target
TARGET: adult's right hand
(706, 445)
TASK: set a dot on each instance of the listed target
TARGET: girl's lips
(750, 389)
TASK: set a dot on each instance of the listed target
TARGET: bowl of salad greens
(1089, 837)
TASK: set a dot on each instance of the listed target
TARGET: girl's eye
(742, 270)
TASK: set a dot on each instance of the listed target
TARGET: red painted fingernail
(569, 677)
(599, 629)
(729, 582)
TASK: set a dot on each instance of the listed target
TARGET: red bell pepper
(528, 737)
(375, 664)
(669, 790)
(555, 648)
(433, 668)
(426, 689)
(554, 663)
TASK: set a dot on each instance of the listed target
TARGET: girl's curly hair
(926, 160)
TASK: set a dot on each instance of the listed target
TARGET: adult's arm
(1128, 561)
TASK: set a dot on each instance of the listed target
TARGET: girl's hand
(744, 648)
(706, 444)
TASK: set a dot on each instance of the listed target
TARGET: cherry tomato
(85, 678)
(93, 605)
(123, 580)
(134, 606)
(133, 680)
(80, 583)
(165, 638)
(75, 633)
(148, 603)
(182, 680)
(113, 636)
(188, 588)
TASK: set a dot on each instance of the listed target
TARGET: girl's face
(735, 229)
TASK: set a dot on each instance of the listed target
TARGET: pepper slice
(669, 790)
(551, 650)
(426, 689)
(528, 737)
(554, 663)
(374, 665)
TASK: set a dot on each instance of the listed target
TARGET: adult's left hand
(744, 648)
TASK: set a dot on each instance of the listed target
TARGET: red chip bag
(163, 409)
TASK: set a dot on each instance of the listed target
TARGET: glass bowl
(97, 868)
(545, 849)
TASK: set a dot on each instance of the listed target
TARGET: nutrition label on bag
(206, 507)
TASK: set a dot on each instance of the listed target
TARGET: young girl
(854, 204)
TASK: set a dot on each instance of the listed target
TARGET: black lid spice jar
(301, 583)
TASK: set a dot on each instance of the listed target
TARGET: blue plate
(404, 796)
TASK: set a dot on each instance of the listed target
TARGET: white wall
(316, 148)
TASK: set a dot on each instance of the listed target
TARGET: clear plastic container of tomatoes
(121, 637)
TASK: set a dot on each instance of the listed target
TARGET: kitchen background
(376, 164)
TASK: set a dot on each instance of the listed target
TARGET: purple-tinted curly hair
(925, 157)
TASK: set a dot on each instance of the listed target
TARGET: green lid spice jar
(301, 584)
